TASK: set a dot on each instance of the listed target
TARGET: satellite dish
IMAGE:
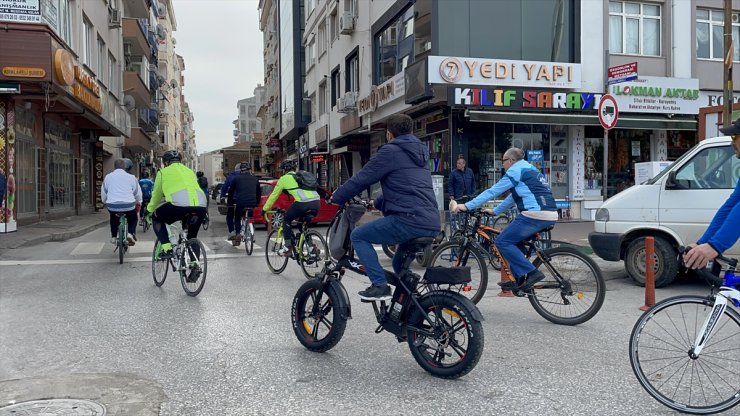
(161, 32)
(173, 83)
(161, 9)
(174, 41)
(129, 102)
(161, 80)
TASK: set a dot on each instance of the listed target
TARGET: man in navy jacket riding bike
(408, 203)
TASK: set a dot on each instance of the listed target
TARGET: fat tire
(271, 249)
(666, 263)
(538, 299)
(203, 263)
(300, 321)
(435, 260)
(454, 309)
(679, 336)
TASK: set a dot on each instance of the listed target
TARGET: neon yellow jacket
(177, 185)
(288, 183)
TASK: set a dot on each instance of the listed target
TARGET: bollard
(505, 278)
(649, 273)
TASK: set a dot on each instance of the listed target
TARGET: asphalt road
(75, 323)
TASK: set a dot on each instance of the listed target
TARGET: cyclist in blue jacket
(724, 230)
(147, 186)
(533, 198)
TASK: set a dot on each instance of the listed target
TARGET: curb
(60, 236)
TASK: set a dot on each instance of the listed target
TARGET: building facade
(269, 111)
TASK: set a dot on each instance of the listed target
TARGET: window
(242, 110)
(310, 5)
(242, 126)
(394, 47)
(352, 73)
(252, 126)
(335, 87)
(334, 20)
(112, 74)
(311, 54)
(710, 31)
(87, 46)
(322, 37)
(64, 26)
(322, 98)
(634, 28)
(712, 168)
(102, 55)
(252, 111)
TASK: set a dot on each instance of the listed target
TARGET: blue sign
(535, 156)
(625, 79)
(562, 204)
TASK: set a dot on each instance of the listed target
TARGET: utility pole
(729, 52)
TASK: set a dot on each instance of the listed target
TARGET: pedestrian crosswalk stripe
(87, 248)
(101, 261)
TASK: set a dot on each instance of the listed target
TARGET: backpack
(306, 180)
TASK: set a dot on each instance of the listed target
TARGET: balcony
(134, 86)
(137, 8)
(148, 119)
(139, 141)
(135, 35)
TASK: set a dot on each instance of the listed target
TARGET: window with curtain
(102, 54)
(87, 42)
(634, 28)
(709, 34)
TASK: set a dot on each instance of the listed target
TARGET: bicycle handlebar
(711, 276)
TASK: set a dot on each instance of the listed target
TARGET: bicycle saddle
(420, 242)
(546, 229)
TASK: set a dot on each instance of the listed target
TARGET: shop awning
(626, 121)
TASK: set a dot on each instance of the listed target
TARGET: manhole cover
(54, 407)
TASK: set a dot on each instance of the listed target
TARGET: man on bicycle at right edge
(533, 198)
(408, 203)
(724, 230)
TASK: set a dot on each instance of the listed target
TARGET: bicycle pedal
(367, 301)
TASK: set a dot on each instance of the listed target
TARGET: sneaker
(114, 240)
(376, 293)
(231, 236)
(532, 278)
(286, 251)
(511, 285)
(194, 272)
(131, 239)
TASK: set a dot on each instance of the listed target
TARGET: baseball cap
(732, 129)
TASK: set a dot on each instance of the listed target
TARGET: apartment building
(247, 123)
(269, 111)
(475, 88)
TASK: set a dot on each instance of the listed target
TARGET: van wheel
(666, 263)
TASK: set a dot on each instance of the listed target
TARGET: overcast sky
(221, 43)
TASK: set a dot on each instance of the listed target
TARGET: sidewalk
(56, 230)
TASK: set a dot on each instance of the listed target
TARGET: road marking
(87, 249)
(100, 261)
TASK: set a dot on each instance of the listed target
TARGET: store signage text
(86, 89)
(14, 71)
(382, 94)
(478, 71)
(516, 99)
(714, 98)
(658, 95)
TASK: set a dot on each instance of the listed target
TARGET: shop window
(634, 28)
(61, 189)
(26, 178)
(710, 33)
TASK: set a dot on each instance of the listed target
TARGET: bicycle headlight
(602, 214)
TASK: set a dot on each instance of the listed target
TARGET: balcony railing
(148, 119)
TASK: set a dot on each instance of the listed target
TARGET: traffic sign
(608, 112)
(621, 73)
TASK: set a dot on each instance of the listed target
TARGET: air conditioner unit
(346, 23)
(340, 105)
(114, 18)
(350, 100)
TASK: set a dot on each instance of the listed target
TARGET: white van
(675, 207)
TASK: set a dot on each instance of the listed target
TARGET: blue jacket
(147, 186)
(227, 184)
(402, 169)
(528, 190)
(724, 230)
(461, 183)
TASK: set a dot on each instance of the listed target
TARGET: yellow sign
(64, 67)
(87, 81)
(14, 71)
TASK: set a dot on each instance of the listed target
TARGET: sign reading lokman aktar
(503, 72)
(658, 95)
(23, 11)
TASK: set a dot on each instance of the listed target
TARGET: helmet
(199, 174)
(144, 175)
(128, 164)
(171, 156)
(244, 167)
(288, 164)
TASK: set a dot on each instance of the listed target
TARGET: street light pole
(729, 55)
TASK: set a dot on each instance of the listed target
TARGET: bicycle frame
(301, 231)
(726, 292)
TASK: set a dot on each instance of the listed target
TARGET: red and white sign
(621, 73)
(608, 112)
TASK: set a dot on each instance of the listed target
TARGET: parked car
(675, 207)
(325, 215)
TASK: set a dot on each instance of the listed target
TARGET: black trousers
(297, 210)
(168, 214)
(131, 217)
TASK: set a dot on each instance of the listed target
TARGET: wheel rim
(639, 264)
(159, 267)
(193, 276)
(659, 356)
(316, 326)
(313, 253)
(275, 261)
(449, 344)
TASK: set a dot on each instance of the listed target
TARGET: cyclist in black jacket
(245, 188)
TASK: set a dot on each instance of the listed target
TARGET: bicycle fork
(720, 304)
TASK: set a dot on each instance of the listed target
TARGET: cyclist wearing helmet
(121, 193)
(246, 192)
(228, 199)
(176, 194)
(304, 200)
(146, 186)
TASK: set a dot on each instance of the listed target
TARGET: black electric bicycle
(442, 328)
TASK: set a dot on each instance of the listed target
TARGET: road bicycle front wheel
(449, 343)
(275, 260)
(317, 322)
(313, 253)
(160, 267)
(660, 347)
(193, 275)
(576, 295)
(454, 254)
(248, 237)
